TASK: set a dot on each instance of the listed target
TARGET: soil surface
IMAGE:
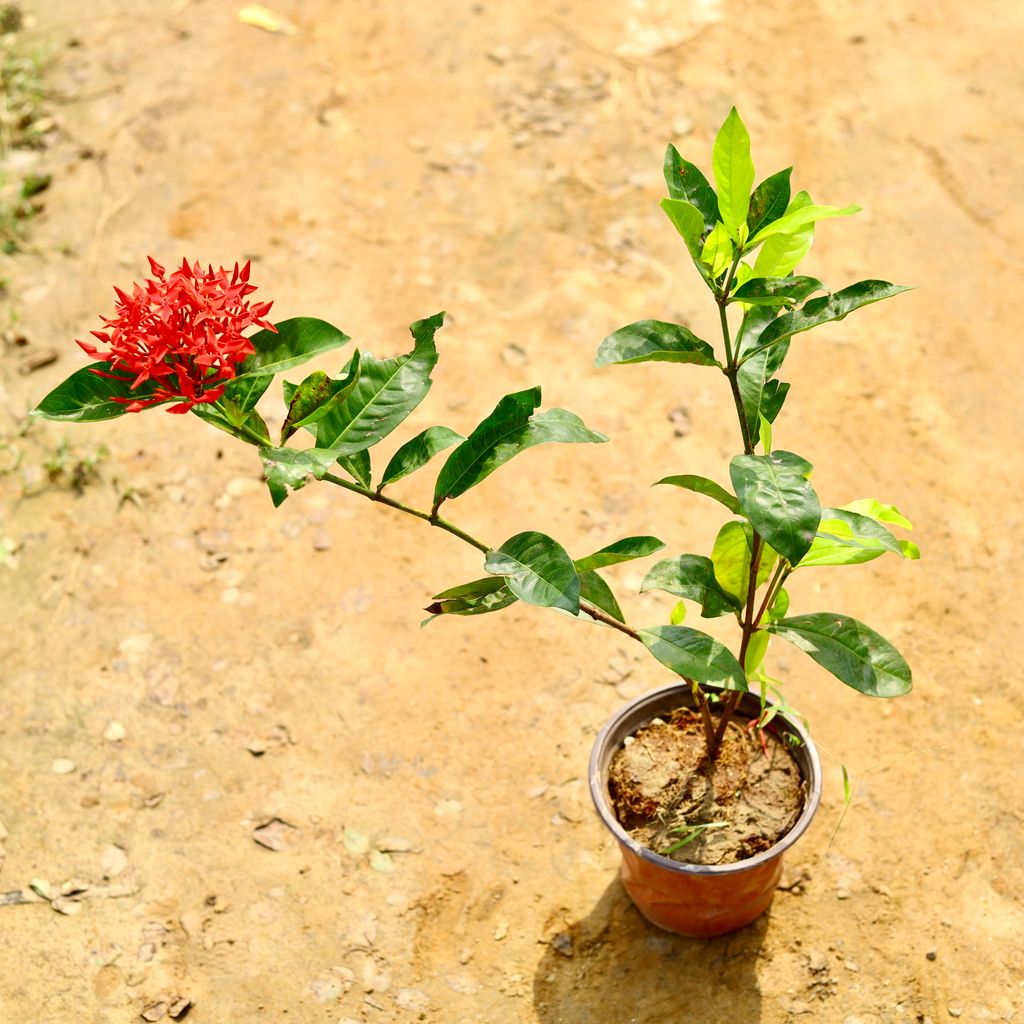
(289, 802)
(662, 787)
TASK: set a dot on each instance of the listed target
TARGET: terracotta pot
(694, 899)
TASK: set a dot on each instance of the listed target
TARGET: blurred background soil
(183, 665)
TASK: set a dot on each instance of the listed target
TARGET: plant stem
(750, 622)
(732, 369)
(442, 524)
(782, 572)
(705, 715)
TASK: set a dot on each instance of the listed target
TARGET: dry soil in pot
(660, 781)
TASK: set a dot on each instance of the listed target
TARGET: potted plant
(706, 782)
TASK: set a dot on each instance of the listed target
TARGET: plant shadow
(614, 967)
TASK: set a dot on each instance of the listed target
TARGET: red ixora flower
(183, 333)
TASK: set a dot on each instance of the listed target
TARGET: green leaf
(654, 341)
(779, 606)
(594, 589)
(769, 201)
(731, 559)
(772, 397)
(717, 252)
(692, 577)
(846, 538)
(758, 393)
(85, 397)
(688, 222)
(295, 342)
(316, 396)
(757, 647)
(508, 430)
(734, 172)
(686, 182)
(245, 392)
(418, 452)
(780, 254)
(358, 467)
(766, 433)
(851, 651)
(285, 468)
(678, 613)
(776, 291)
(878, 511)
(475, 588)
(794, 220)
(825, 309)
(538, 570)
(702, 485)
(621, 551)
(755, 320)
(227, 416)
(779, 501)
(387, 391)
(489, 594)
(694, 655)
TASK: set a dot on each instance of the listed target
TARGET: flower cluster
(180, 333)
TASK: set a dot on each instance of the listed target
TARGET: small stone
(500, 54)
(155, 1011)
(356, 842)
(955, 1010)
(562, 943)
(381, 861)
(851, 965)
(62, 766)
(931, 954)
(326, 990)
(465, 956)
(114, 732)
(816, 961)
(180, 1007)
(272, 834)
(113, 860)
(321, 541)
(501, 932)
(66, 906)
(375, 978)
(412, 999)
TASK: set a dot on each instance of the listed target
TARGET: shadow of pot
(695, 899)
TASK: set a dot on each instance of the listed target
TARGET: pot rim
(806, 755)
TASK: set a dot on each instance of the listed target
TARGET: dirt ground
(440, 860)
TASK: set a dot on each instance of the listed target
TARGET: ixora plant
(704, 783)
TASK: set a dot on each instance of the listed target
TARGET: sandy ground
(502, 161)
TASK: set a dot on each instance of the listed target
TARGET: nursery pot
(695, 899)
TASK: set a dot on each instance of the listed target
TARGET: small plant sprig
(781, 524)
(179, 339)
